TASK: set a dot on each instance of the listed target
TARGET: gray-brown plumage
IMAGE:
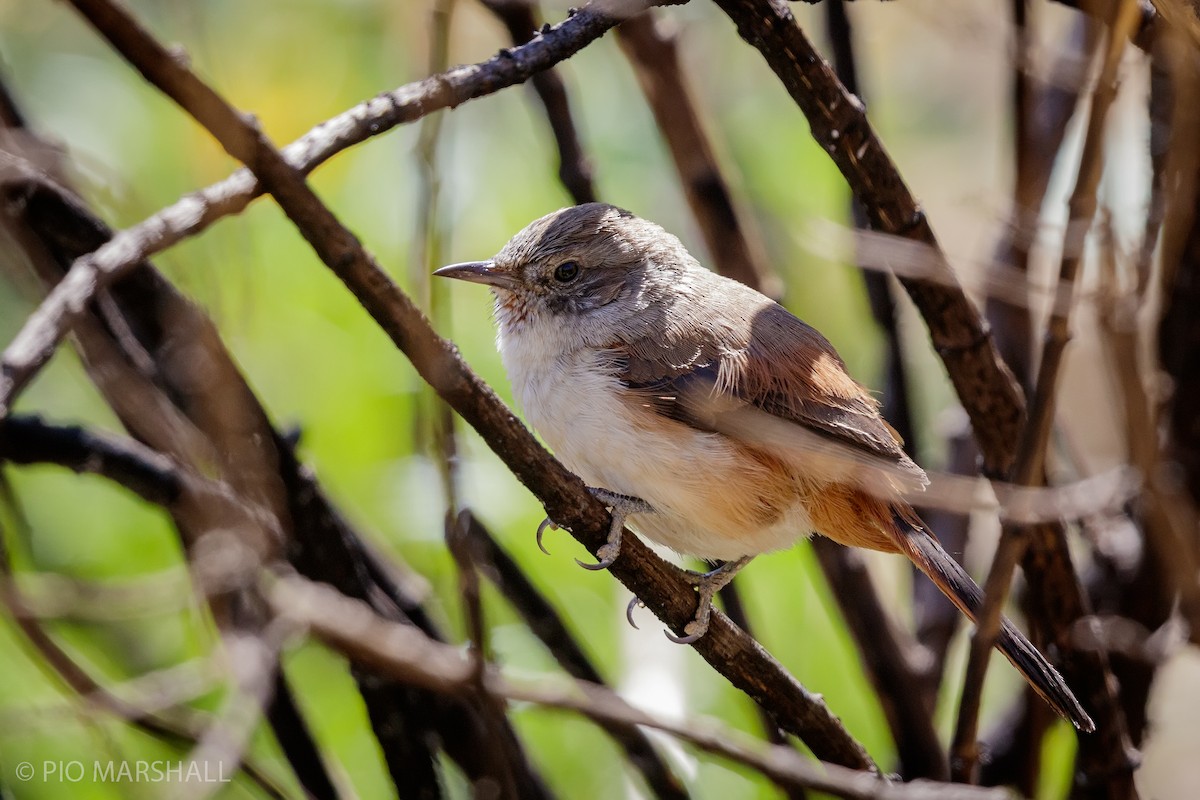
(737, 423)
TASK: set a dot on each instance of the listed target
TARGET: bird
(705, 415)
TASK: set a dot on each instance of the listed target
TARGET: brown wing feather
(772, 362)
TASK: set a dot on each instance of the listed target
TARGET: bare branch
(1031, 451)
(351, 628)
(574, 169)
(653, 49)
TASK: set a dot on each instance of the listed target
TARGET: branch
(34, 344)
(1031, 451)
(839, 123)
(145, 472)
(350, 627)
(564, 496)
(181, 727)
(545, 623)
(653, 50)
(574, 170)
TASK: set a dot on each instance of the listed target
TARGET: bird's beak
(480, 272)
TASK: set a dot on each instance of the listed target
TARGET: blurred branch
(296, 739)
(1011, 759)
(351, 628)
(28, 352)
(1030, 464)
(1178, 332)
(145, 472)
(1031, 450)
(521, 19)
(166, 328)
(888, 660)
(908, 699)
(982, 381)
(433, 422)
(1140, 34)
(1165, 566)
(180, 725)
(564, 496)
(652, 47)
(1042, 110)
(545, 623)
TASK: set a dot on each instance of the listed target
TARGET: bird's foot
(707, 585)
(621, 506)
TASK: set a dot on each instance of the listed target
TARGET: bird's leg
(707, 585)
(620, 506)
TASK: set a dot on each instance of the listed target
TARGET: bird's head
(595, 268)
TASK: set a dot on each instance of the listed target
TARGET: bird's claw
(636, 602)
(707, 584)
(546, 523)
(621, 506)
(693, 632)
(607, 555)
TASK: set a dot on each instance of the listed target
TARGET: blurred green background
(936, 91)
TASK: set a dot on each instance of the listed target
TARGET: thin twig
(1030, 461)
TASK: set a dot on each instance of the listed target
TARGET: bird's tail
(924, 551)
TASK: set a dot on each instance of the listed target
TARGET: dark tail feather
(957, 585)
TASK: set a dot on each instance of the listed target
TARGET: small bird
(704, 414)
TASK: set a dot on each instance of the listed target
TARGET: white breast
(704, 490)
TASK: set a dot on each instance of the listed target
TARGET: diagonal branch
(564, 496)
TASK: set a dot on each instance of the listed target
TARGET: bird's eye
(566, 272)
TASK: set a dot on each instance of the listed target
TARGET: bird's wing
(775, 381)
